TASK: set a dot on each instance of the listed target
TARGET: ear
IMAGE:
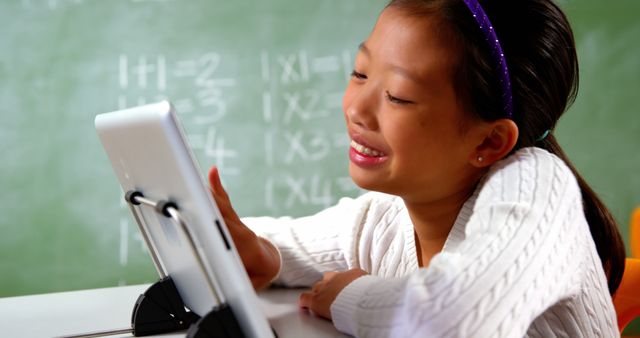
(499, 138)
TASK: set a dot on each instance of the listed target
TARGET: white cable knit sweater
(519, 260)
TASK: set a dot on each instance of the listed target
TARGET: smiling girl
(477, 224)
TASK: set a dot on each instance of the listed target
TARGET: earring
(480, 159)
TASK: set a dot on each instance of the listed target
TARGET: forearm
(304, 248)
(272, 262)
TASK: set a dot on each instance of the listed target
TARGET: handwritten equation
(298, 98)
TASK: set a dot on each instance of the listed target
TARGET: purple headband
(496, 51)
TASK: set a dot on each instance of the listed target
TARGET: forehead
(417, 43)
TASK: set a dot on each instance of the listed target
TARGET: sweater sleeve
(521, 254)
(310, 246)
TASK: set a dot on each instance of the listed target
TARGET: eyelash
(390, 97)
(358, 76)
(396, 100)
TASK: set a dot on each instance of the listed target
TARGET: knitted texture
(519, 260)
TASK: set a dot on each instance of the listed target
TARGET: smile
(366, 150)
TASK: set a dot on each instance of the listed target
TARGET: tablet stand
(161, 309)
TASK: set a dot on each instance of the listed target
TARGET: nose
(359, 105)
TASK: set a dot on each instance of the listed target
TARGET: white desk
(64, 313)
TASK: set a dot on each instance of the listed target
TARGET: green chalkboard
(258, 87)
(601, 132)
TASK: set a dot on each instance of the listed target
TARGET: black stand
(219, 322)
(161, 309)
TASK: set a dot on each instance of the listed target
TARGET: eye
(358, 75)
(397, 100)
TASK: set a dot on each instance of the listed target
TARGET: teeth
(367, 151)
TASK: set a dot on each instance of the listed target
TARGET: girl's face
(402, 114)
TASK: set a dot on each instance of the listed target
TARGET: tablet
(149, 153)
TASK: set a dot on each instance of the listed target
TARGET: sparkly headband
(496, 51)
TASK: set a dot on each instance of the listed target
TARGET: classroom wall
(258, 87)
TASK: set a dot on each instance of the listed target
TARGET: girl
(479, 226)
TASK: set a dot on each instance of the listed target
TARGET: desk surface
(65, 313)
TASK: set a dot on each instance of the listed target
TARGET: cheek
(416, 139)
(406, 128)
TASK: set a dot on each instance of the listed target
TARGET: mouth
(364, 150)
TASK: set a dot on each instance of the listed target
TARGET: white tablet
(149, 153)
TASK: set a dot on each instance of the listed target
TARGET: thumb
(214, 176)
(215, 183)
(220, 195)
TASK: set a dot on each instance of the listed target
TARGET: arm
(521, 254)
(310, 246)
(295, 252)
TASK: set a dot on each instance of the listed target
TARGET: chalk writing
(297, 135)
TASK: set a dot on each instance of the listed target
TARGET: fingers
(315, 303)
(220, 195)
(215, 183)
(305, 300)
(316, 300)
(323, 293)
(316, 287)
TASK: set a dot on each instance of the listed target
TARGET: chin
(365, 180)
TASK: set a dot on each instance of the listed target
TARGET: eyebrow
(362, 47)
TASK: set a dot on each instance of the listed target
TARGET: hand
(324, 292)
(260, 258)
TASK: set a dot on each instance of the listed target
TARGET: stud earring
(480, 159)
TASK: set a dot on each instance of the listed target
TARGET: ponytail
(602, 225)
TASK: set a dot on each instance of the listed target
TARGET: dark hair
(538, 43)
